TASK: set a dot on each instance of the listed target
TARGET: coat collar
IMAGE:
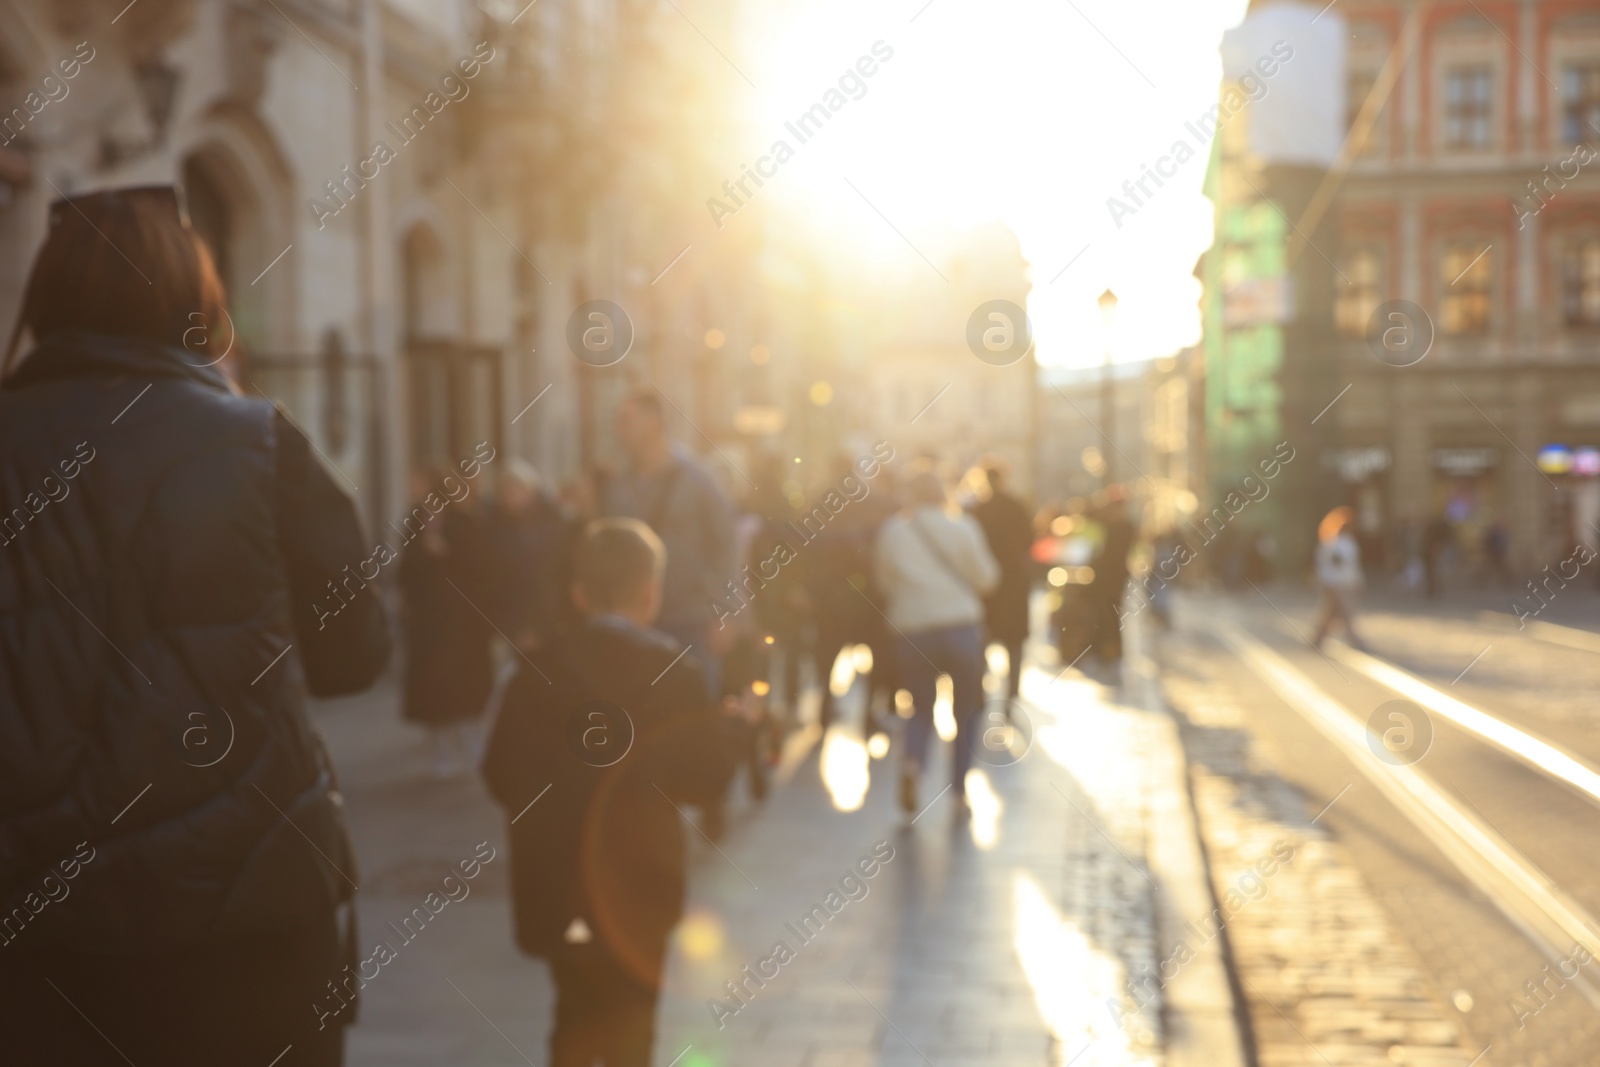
(79, 353)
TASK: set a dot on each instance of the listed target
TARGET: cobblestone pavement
(1372, 939)
(1323, 973)
(1006, 940)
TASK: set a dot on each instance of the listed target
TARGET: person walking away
(1008, 531)
(526, 539)
(780, 604)
(1496, 549)
(1339, 575)
(838, 565)
(934, 568)
(677, 497)
(449, 669)
(178, 571)
(1436, 541)
(613, 721)
(1111, 576)
(747, 664)
(883, 684)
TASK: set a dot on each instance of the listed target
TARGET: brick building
(1467, 183)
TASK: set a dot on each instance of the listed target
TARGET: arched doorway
(455, 387)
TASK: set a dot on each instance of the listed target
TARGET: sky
(1032, 112)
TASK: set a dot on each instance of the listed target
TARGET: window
(1580, 102)
(1466, 276)
(1580, 283)
(1355, 301)
(1468, 107)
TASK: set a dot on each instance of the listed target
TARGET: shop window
(1580, 283)
(1355, 301)
(1466, 277)
(1468, 107)
(1580, 101)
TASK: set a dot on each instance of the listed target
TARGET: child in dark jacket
(597, 745)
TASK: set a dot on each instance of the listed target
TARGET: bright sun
(1026, 111)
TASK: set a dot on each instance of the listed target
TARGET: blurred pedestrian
(1110, 582)
(883, 683)
(1008, 531)
(193, 573)
(1437, 538)
(1496, 550)
(934, 568)
(747, 666)
(781, 606)
(615, 723)
(678, 498)
(1339, 575)
(526, 540)
(839, 584)
(449, 669)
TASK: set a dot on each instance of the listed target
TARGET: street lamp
(1108, 408)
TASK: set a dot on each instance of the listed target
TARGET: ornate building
(1465, 195)
(1463, 182)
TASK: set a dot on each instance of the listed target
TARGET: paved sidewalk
(1009, 940)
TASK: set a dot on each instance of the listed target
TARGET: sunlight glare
(1072, 118)
(843, 675)
(846, 770)
(944, 718)
(700, 936)
(1072, 979)
(987, 807)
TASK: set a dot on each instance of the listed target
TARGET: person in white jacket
(1339, 574)
(934, 567)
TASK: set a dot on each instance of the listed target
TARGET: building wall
(1460, 190)
(264, 111)
(1419, 207)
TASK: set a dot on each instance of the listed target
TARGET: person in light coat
(934, 567)
(1339, 575)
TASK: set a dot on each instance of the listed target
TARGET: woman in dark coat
(449, 665)
(1008, 527)
(176, 880)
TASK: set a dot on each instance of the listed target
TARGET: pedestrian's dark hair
(124, 262)
(616, 559)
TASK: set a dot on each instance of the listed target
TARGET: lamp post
(1108, 405)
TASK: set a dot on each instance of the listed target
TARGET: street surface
(1357, 907)
(1006, 940)
(1480, 862)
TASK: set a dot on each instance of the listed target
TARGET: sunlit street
(799, 533)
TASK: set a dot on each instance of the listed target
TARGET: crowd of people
(763, 595)
(639, 633)
(632, 640)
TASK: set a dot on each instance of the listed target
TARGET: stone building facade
(409, 200)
